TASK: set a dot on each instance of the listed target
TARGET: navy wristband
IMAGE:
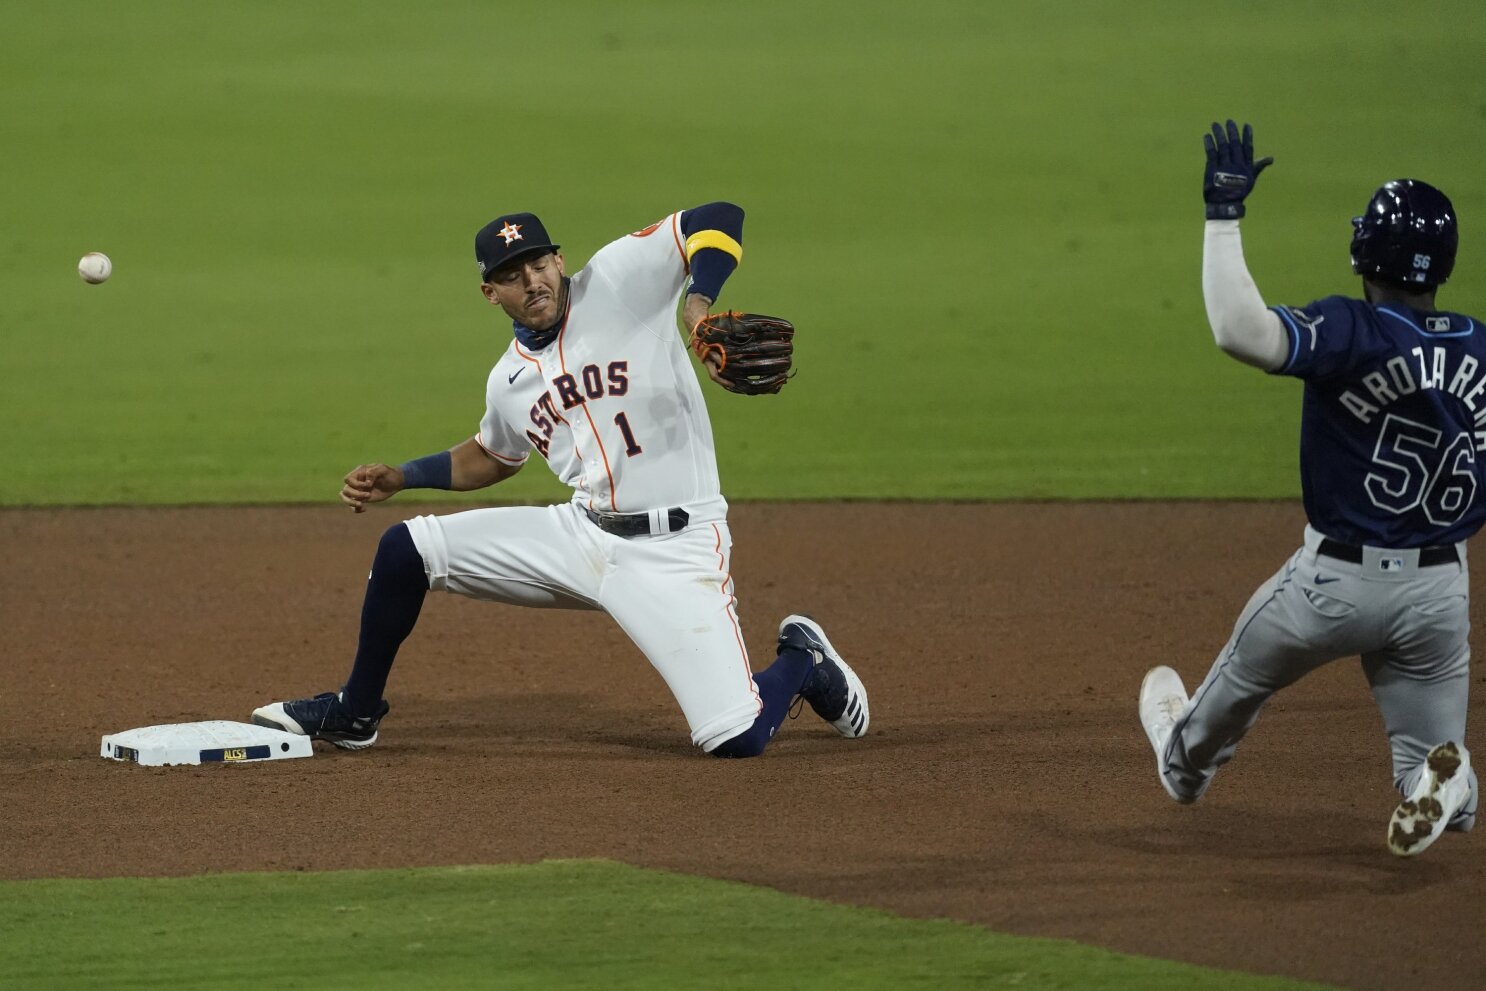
(435, 471)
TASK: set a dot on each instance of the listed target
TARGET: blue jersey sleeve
(1327, 338)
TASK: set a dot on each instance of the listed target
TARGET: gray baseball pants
(1409, 624)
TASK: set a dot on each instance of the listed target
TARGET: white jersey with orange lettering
(607, 395)
(614, 407)
(613, 404)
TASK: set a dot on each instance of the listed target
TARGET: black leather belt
(1428, 556)
(636, 524)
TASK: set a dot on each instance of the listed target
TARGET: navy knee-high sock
(394, 597)
(778, 685)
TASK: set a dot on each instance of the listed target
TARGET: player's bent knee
(397, 554)
(749, 743)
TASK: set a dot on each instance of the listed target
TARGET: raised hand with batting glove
(1231, 170)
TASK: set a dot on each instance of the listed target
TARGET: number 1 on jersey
(631, 448)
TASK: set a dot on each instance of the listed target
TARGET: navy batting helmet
(1407, 236)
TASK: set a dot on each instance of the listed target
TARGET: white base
(217, 741)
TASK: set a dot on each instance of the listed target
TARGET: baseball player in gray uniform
(1393, 415)
(598, 383)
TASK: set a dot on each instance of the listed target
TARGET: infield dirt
(1005, 781)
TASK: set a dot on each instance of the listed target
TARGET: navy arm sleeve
(711, 266)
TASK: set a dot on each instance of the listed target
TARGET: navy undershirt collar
(536, 340)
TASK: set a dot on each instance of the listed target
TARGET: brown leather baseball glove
(746, 353)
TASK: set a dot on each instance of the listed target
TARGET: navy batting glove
(1231, 171)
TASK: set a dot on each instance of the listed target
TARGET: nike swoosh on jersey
(1325, 581)
(511, 380)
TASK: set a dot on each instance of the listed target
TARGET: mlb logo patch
(1437, 325)
(1390, 563)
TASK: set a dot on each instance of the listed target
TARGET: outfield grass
(560, 924)
(984, 217)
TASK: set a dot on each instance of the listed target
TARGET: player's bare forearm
(697, 306)
(693, 312)
(473, 468)
(469, 468)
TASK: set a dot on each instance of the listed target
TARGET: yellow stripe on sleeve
(713, 239)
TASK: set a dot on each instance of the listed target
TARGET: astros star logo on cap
(511, 232)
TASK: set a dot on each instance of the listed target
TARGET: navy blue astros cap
(507, 238)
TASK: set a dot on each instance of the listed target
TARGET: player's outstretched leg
(1163, 698)
(394, 598)
(324, 717)
(833, 689)
(1443, 789)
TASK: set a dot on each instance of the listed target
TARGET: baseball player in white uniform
(598, 383)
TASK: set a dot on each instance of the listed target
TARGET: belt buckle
(617, 524)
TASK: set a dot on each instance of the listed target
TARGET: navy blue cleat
(323, 717)
(833, 689)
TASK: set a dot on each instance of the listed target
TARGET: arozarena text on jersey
(1464, 383)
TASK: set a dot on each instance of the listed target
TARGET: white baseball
(95, 267)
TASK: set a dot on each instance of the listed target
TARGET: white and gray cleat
(1163, 698)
